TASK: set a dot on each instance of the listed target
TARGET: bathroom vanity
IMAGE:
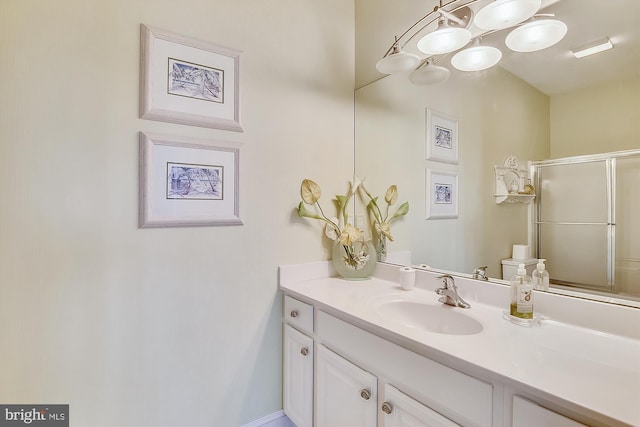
(367, 353)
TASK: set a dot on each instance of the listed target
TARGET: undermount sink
(438, 318)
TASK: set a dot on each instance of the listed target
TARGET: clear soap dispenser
(521, 294)
(541, 277)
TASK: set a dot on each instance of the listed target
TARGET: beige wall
(498, 115)
(157, 327)
(598, 119)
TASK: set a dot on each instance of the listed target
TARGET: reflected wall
(498, 114)
(597, 119)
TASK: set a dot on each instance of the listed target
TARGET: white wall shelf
(514, 198)
(511, 179)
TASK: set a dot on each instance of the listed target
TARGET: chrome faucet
(450, 293)
(480, 273)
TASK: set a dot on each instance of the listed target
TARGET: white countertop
(597, 371)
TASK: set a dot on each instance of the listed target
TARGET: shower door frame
(610, 173)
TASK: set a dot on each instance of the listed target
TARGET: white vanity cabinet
(359, 380)
(400, 410)
(346, 395)
(298, 362)
(337, 374)
(416, 391)
(298, 377)
(373, 366)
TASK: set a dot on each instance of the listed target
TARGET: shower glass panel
(574, 227)
(586, 221)
(576, 254)
(627, 210)
(574, 193)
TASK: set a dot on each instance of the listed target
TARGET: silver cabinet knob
(387, 408)
(294, 313)
(304, 351)
(365, 394)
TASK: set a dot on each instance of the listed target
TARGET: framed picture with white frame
(188, 81)
(187, 182)
(442, 194)
(442, 137)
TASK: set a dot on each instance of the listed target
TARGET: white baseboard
(277, 419)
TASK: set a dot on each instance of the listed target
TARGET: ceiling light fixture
(476, 57)
(428, 73)
(592, 48)
(536, 35)
(397, 61)
(501, 14)
(445, 39)
(452, 34)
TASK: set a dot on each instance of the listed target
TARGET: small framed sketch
(442, 137)
(187, 182)
(442, 194)
(188, 81)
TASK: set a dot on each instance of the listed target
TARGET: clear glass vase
(356, 261)
(381, 248)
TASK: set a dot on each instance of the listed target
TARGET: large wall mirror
(535, 106)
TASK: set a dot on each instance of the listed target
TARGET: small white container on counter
(407, 278)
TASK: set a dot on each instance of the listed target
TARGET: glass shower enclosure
(586, 221)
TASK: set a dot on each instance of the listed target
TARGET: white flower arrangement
(382, 222)
(336, 228)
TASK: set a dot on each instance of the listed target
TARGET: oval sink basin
(441, 318)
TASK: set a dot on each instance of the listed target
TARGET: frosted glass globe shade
(501, 14)
(444, 40)
(476, 58)
(397, 62)
(429, 75)
(536, 35)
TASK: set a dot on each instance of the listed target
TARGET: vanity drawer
(298, 314)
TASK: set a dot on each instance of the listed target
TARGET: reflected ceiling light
(429, 74)
(476, 58)
(536, 35)
(501, 14)
(397, 61)
(445, 39)
(593, 47)
(454, 18)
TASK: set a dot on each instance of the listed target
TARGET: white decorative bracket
(511, 182)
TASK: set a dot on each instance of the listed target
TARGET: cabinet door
(529, 414)
(345, 394)
(298, 377)
(402, 411)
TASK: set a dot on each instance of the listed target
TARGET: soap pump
(521, 294)
(541, 277)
